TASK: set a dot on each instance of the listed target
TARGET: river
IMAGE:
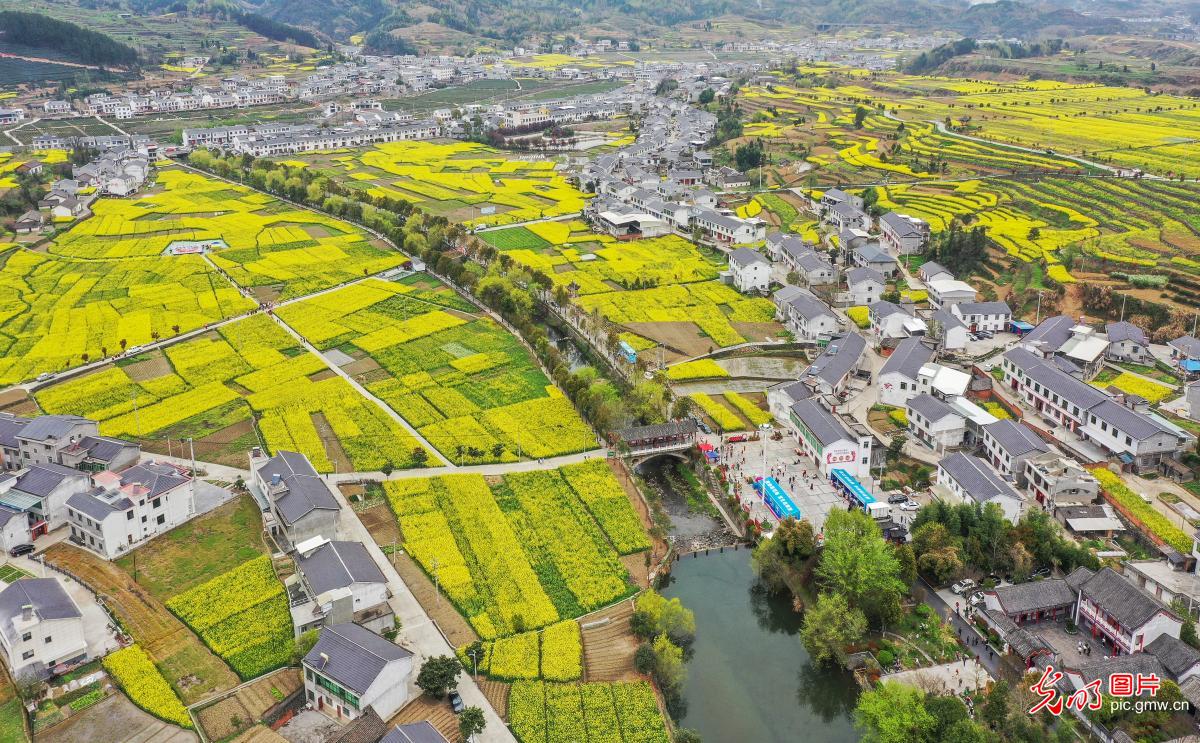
(750, 679)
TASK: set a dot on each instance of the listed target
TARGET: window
(49, 639)
(161, 519)
(27, 637)
(143, 519)
(129, 515)
(27, 655)
(156, 503)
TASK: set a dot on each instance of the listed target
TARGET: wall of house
(897, 389)
(390, 690)
(66, 642)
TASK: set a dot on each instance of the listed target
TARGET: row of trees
(950, 538)
(667, 630)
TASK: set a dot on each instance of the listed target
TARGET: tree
(471, 722)
(439, 675)
(859, 564)
(995, 708)
(908, 564)
(946, 711)
(669, 671)
(893, 713)
(475, 652)
(655, 615)
(419, 456)
(830, 626)
(686, 735)
(796, 538)
(750, 155)
(304, 643)
(707, 96)
(860, 114)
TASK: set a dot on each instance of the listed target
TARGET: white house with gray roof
(750, 271)
(1008, 444)
(870, 256)
(935, 423)
(14, 528)
(342, 583)
(301, 503)
(41, 628)
(127, 508)
(865, 285)
(1127, 342)
(969, 478)
(902, 234)
(992, 316)
(43, 491)
(830, 372)
(946, 292)
(41, 439)
(830, 440)
(806, 316)
(898, 380)
(931, 270)
(949, 331)
(351, 668)
(1053, 480)
(890, 321)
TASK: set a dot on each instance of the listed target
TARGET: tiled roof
(157, 478)
(1051, 333)
(1034, 596)
(746, 257)
(930, 408)
(51, 427)
(975, 477)
(1125, 331)
(1175, 654)
(41, 479)
(355, 655)
(414, 732)
(908, 358)
(339, 565)
(820, 421)
(305, 491)
(46, 595)
(839, 357)
(1015, 438)
(1121, 599)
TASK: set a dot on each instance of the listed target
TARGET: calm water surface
(750, 679)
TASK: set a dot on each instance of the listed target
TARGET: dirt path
(609, 644)
(190, 667)
(453, 625)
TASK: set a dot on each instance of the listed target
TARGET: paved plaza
(948, 678)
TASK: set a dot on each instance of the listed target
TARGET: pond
(750, 678)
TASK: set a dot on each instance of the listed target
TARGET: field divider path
(363, 391)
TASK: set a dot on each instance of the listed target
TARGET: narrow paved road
(527, 465)
(418, 632)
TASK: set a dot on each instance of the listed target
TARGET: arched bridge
(671, 439)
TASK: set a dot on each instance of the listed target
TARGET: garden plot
(244, 376)
(56, 312)
(542, 712)
(533, 549)
(462, 181)
(468, 386)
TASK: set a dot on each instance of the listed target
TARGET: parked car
(898, 498)
(910, 505)
(1043, 573)
(21, 549)
(456, 702)
(963, 586)
(976, 598)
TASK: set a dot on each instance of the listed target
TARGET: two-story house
(41, 628)
(991, 316)
(751, 272)
(946, 292)
(1126, 619)
(865, 285)
(343, 583)
(129, 507)
(830, 440)
(934, 422)
(902, 234)
(898, 378)
(301, 504)
(351, 668)
(806, 316)
(971, 479)
(1008, 444)
(890, 321)
(43, 491)
(1053, 481)
(830, 372)
(1127, 342)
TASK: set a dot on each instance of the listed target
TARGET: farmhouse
(127, 508)
(934, 422)
(1053, 480)
(1079, 346)
(830, 372)
(949, 330)
(41, 628)
(947, 292)
(1008, 444)
(870, 256)
(931, 271)
(1127, 342)
(891, 321)
(43, 491)
(750, 271)
(806, 316)
(902, 234)
(992, 316)
(341, 584)
(971, 479)
(351, 668)
(898, 379)
(301, 503)
(864, 284)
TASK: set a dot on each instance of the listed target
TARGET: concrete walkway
(419, 634)
(528, 465)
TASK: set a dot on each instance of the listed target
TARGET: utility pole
(1038, 320)
(137, 418)
(1123, 298)
(437, 586)
(192, 505)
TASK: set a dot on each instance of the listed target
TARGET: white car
(910, 505)
(961, 587)
(976, 598)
